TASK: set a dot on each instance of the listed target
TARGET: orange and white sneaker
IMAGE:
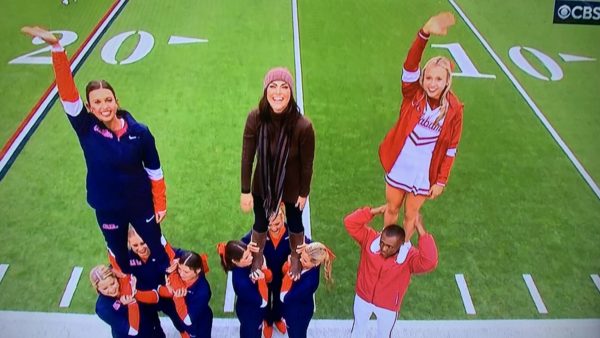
(267, 330)
(281, 326)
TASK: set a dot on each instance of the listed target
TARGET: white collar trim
(375, 245)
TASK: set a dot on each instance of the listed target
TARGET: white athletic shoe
(65, 2)
(403, 252)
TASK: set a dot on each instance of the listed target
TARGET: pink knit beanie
(278, 74)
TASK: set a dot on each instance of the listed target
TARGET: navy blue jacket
(111, 311)
(197, 301)
(116, 178)
(248, 302)
(298, 303)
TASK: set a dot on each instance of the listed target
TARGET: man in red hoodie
(381, 281)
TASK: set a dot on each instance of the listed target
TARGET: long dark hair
(291, 113)
(192, 260)
(233, 250)
(102, 84)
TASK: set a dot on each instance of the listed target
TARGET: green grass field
(514, 205)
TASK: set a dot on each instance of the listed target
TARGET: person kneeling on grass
(382, 281)
(123, 307)
(276, 252)
(297, 296)
(252, 294)
(192, 269)
(190, 318)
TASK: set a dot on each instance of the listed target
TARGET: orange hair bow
(221, 248)
(204, 259)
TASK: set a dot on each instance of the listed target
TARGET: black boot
(296, 240)
(257, 257)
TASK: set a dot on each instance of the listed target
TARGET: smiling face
(109, 286)
(276, 225)
(138, 246)
(103, 104)
(435, 80)
(245, 261)
(278, 95)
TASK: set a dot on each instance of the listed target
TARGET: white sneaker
(65, 2)
(403, 252)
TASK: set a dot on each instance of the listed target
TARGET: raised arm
(69, 96)
(436, 25)
(426, 258)
(357, 223)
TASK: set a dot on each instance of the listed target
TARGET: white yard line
(299, 96)
(229, 294)
(3, 268)
(49, 325)
(22, 136)
(530, 102)
(71, 287)
(595, 279)
(464, 294)
(535, 295)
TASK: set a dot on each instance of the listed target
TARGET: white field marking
(71, 287)
(535, 295)
(229, 294)
(178, 40)
(464, 293)
(595, 278)
(3, 268)
(529, 101)
(574, 58)
(38, 112)
(16, 324)
(300, 101)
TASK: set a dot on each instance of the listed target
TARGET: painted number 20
(108, 52)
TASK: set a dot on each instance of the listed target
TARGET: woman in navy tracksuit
(297, 296)
(113, 307)
(192, 269)
(251, 302)
(276, 252)
(125, 183)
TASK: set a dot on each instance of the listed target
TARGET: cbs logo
(578, 12)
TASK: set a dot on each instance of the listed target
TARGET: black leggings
(293, 216)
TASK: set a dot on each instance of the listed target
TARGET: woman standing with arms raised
(418, 152)
(125, 183)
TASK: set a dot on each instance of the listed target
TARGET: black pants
(261, 223)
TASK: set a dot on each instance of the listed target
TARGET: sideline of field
(39, 324)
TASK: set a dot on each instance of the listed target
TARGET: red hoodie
(381, 281)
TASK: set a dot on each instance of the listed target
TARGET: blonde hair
(447, 65)
(320, 254)
(282, 210)
(100, 273)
